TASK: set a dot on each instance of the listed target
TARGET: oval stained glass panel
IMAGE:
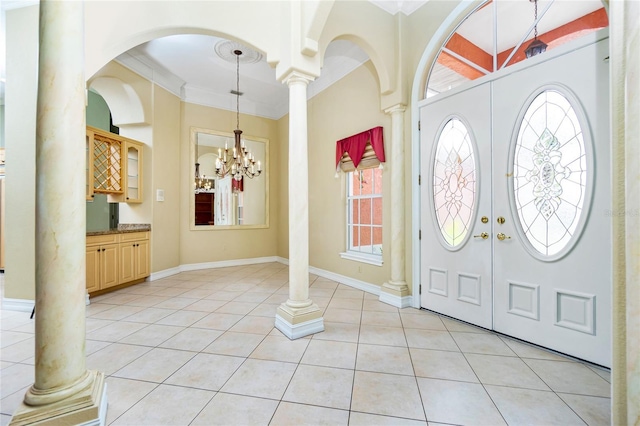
(550, 173)
(454, 182)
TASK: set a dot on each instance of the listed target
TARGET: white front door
(456, 195)
(542, 178)
(552, 278)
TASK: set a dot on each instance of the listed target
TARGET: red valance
(355, 145)
(237, 185)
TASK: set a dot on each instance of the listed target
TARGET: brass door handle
(502, 237)
(484, 236)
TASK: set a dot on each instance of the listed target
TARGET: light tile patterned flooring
(199, 348)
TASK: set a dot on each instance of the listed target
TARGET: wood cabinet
(132, 166)
(113, 166)
(204, 208)
(134, 256)
(115, 259)
(102, 260)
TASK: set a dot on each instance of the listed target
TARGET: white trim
(20, 305)
(282, 260)
(212, 265)
(164, 273)
(102, 415)
(227, 263)
(296, 331)
(351, 282)
(397, 301)
(371, 259)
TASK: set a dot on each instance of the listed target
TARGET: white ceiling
(188, 65)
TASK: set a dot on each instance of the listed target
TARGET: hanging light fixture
(201, 183)
(536, 47)
(239, 161)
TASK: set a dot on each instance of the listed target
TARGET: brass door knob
(484, 236)
(503, 237)
(484, 219)
(501, 220)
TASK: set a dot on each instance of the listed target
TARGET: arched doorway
(515, 174)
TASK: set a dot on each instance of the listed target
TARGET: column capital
(297, 77)
(398, 108)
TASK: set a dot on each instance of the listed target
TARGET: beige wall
(165, 165)
(350, 106)
(199, 246)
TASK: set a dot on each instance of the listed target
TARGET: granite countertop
(123, 228)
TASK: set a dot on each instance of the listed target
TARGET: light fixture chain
(535, 18)
(238, 90)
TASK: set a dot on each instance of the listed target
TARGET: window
(454, 182)
(551, 172)
(364, 216)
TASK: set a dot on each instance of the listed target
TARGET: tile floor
(199, 348)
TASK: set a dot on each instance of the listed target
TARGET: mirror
(225, 203)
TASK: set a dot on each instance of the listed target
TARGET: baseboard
(20, 305)
(282, 260)
(164, 273)
(211, 265)
(397, 301)
(351, 282)
(227, 263)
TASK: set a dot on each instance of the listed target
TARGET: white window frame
(351, 252)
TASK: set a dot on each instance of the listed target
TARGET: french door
(515, 196)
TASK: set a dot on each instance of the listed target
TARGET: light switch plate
(160, 195)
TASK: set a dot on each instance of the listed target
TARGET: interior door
(552, 185)
(456, 195)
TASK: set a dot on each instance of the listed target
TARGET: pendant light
(536, 47)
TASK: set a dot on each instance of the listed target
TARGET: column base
(396, 294)
(296, 323)
(87, 407)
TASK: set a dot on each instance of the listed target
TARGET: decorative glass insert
(454, 182)
(550, 173)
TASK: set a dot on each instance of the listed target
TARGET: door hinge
(420, 234)
(420, 289)
(419, 179)
(418, 125)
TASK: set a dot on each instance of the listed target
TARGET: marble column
(624, 22)
(395, 291)
(298, 316)
(64, 391)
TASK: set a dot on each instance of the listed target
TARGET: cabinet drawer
(134, 236)
(102, 239)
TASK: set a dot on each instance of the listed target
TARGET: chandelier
(536, 47)
(239, 161)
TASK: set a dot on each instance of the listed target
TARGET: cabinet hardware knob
(98, 250)
(103, 249)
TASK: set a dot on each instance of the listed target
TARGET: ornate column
(298, 316)
(395, 291)
(64, 391)
(624, 24)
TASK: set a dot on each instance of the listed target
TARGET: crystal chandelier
(239, 161)
(536, 47)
